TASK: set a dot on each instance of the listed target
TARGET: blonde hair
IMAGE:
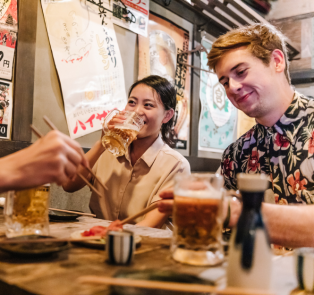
(261, 40)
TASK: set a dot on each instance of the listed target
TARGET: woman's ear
(168, 116)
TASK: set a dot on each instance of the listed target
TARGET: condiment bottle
(250, 256)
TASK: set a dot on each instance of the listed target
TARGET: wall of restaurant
(288, 8)
(48, 98)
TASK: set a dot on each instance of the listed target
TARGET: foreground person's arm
(53, 158)
(92, 156)
(290, 226)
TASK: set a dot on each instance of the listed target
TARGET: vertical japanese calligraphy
(217, 125)
(159, 54)
(88, 62)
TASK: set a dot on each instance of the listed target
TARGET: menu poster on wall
(88, 62)
(217, 125)
(6, 103)
(140, 12)
(159, 55)
(8, 37)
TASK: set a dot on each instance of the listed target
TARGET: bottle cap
(252, 182)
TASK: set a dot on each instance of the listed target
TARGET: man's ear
(168, 116)
(278, 59)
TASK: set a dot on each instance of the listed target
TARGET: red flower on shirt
(281, 142)
(228, 167)
(311, 144)
(295, 183)
(253, 162)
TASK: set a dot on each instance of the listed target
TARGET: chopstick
(39, 135)
(48, 240)
(74, 212)
(148, 209)
(170, 286)
(53, 127)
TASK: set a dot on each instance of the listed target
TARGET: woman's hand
(166, 205)
(117, 119)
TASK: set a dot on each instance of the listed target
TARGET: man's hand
(166, 206)
(53, 158)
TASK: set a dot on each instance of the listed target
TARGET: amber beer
(117, 140)
(198, 221)
(26, 212)
(197, 218)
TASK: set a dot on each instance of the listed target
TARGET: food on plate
(99, 230)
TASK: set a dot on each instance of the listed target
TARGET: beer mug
(26, 212)
(117, 140)
(197, 218)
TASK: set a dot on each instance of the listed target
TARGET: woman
(134, 180)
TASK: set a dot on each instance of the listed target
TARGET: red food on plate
(99, 230)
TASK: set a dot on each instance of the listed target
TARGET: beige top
(130, 189)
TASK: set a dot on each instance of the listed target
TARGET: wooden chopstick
(148, 209)
(39, 134)
(48, 240)
(36, 131)
(53, 127)
(171, 286)
(74, 212)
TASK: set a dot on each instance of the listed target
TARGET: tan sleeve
(182, 167)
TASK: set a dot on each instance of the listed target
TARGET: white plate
(97, 243)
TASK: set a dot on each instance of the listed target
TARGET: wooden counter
(57, 274)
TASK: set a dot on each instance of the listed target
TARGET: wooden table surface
(57, 274)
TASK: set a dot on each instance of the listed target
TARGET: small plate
(62, 216)
(99, 244)
(34, 249)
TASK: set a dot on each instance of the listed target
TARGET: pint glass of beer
(197, 218)
(117, 140)
(26, 212)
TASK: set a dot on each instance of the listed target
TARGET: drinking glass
(26, 212)
(117, 140)
(197, 217)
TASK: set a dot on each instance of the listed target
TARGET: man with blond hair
(252, 64)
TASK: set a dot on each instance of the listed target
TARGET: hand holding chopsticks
(53, 127)
(38, 133)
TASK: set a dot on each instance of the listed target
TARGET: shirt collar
(293, 115)
(151, 153)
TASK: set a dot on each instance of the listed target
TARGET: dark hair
(167, 95)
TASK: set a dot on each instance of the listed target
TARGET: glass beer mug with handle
(26, 212)
(197, 217)
(117, 140)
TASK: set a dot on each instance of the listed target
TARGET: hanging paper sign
(138, 18)
(6, 62)
(88, 62)
(217, 125)
(159, 55)
(6, 104)
(8, 13)
(8, 37)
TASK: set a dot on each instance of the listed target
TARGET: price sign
(3, 130)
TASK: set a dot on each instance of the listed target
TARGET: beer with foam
(197, 217)
(117, 140)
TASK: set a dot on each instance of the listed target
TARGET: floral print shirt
(284, 151)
